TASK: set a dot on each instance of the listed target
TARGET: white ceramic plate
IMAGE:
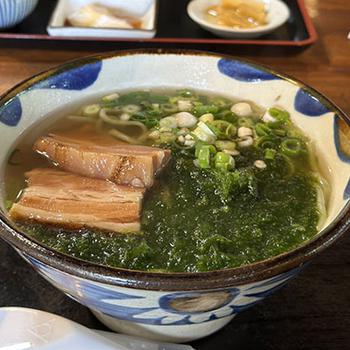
(145, 9)
(278, 14)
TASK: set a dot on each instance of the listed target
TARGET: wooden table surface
(313, 312)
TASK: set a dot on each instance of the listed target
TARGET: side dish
(100, 16)
(238, 13)
(168, 181)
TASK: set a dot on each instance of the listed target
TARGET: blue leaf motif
(267, 292)
(86, 290)
(123, 312)
(308, 104)
(337, 141)
(244, 71)
(78, 78)
(165, 302)
(156, 312)
(279, 278)
(11, 112)
(347, 191)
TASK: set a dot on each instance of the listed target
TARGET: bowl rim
(226, 29)
(172, 281)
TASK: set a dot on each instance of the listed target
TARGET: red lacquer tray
(174, 26)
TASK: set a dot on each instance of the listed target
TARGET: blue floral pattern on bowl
(11, 112)
(77, 78)
(309, 105)
(346, 195)
(244, 72)
(148, 308)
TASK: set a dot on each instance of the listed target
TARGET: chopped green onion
(145, 118)
(262, 129)
(279, 113)
(110, 98)
(166, 137)
(204, 109)
(153, 113)
(267, 142)
(227, 145)
(270, 153)
(200, 145)
(230, 131)
(294, 134)
(247, 122)
(223, 166)
(204, 133)
(220, 102)
(204, 157)
(279, 132)
(184, 146)
(281, 116)
(214, 129)
(91, 110)
(274, 112)
(223, 129)
(224, 161)
(291, 147)
(185, 93)
(206, 118)
(169, 108)
(275, 125)
(131, 109)
(173, 100)
(154, 135)
(227, 115)
(221, 125)
(222, 157)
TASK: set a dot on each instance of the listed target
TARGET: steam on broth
(167, 181)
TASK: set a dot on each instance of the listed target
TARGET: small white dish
(277, 14)
(143, 9)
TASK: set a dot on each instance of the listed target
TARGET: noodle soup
(168, 181)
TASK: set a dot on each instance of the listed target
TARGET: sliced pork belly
(118, 162)
(88, 136)
(72, 201)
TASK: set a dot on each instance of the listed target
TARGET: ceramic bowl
(277, 14)
(13, 12)
(176, 306)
